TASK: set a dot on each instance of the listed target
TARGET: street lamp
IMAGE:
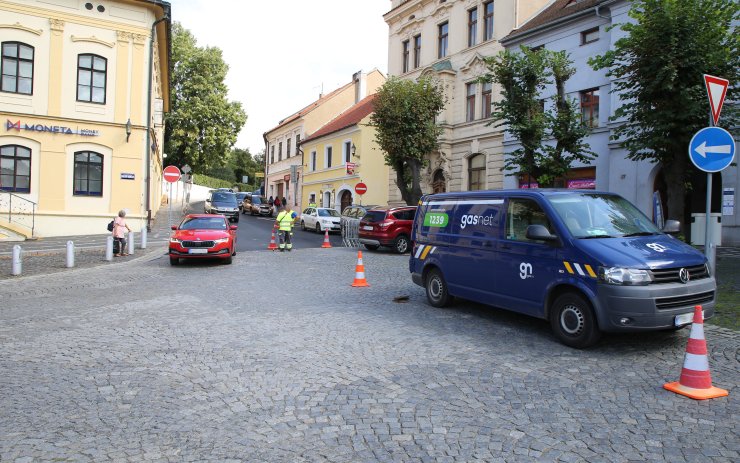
(128, 129)
(354, 151)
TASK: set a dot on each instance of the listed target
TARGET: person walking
(120, 227)
(284, 223)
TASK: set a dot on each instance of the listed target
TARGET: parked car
(320, 219)
(240, 197)
(387, 226)
(257, 205)
(224, 203)
(201, 236)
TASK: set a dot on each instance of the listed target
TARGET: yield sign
(716, 89)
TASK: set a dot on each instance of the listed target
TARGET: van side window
(521, 214)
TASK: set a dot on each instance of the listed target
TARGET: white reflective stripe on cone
(697, 331)
(696, 362)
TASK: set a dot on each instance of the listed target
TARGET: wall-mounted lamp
(354, 151)
(128, 129)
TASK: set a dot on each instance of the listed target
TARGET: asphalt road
(254, 234)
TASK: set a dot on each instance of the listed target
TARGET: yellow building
(83, 90)
(340, 155)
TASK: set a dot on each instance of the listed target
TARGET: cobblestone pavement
(276, 358)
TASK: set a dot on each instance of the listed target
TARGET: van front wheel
(573, 321)
(436, 288)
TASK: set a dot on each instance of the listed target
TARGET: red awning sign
(171, 174)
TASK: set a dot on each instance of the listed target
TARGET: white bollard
(109, 248)
(70, 254)
(130, 245)
(143, 237)
(17, 261)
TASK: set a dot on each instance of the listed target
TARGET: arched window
(477, 172)
(439, 184)
(88, 174)
(17, 68)
(91, 78)
(15, 168)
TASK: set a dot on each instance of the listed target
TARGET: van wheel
(401, 244)
(573, 321)
(436, 288)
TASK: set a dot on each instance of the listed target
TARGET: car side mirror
(672, 227)
(540, 233)
(233, 227)
(174, 227)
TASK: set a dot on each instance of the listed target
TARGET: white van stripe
(578, 269)
(418, 251)
(696, 362)
(433, 249)
(455, 203)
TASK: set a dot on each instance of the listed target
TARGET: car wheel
(436, 289)
(318, 228)
(228, 260)
(573, 321)
(174, 260)
(372, 247)
(303, 225)
(401, 244)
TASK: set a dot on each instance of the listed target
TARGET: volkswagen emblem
(683, 274)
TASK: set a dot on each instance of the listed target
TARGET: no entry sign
(171, 174)
(360, 188)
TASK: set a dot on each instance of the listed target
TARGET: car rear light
(385, 224)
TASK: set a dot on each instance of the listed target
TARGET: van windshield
(593, 215)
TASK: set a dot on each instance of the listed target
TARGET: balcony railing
(18, 210)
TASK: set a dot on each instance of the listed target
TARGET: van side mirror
(233, 227)
(672, 227)
(540, 233)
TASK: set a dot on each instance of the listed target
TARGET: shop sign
(582, 184)
(286, 178)
(10, 125)
(128, 176)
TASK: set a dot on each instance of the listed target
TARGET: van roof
(519, 192)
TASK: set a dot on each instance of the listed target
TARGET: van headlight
(625, 276)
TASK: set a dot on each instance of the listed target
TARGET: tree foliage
(404, 115)
(202, 124)
(522, 77)
(657, 71)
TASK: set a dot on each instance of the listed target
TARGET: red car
(203, 236)
(387, 226)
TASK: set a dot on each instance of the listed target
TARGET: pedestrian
(271, 201)
(119, 233)
(284, 223)
(284, 201)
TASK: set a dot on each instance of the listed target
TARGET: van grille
(198, 244)
(665, 303)
(670, 275)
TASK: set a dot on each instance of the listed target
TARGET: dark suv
(223, 203)
(388, 226)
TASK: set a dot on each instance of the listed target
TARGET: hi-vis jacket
(285, 220)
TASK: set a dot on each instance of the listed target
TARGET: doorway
(346, 200)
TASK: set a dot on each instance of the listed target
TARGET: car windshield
(203, 223)
(374, 216)
(257, 200)
(328, 213)
(593, 215)
(240, 196)
(226, 198)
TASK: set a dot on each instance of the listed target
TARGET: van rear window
(374, 216)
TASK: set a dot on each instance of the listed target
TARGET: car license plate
(197, 251)
(367, 227)
(685, 318)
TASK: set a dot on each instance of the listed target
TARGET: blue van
(587, 261)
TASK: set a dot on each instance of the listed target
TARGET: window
(297, 144)
(15, 168)
(17, 68)
(347, 151)
(521, 214)
(88, 174)
(405, 57)
(476, 172)
(486, 109)
(272, 154)
(591, 35)
(439, 184)
(488, 21)
(472, 27)
(327, 153)
(590, 107)
(470, 102)
(442, 42)
(417, 51)
(287, 148)
(313, 160)
(91, 78)
(280, 151)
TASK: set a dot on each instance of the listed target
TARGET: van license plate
(685, 318)
(367, 227)
(197, 251)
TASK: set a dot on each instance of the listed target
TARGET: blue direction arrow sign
(712, 149)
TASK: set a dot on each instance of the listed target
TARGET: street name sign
(171, 174)
(716, 91)
(712, 149)
(360, 188)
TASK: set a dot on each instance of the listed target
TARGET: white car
(320, 219)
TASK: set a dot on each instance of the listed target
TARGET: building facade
(584, 29)
(341, 155)
(84, 87)
(284, 162)
(447, 40)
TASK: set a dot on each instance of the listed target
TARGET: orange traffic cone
(696, 381)
(326, 244)
(272, 245)
(359, 272)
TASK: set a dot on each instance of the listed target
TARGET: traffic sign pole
(708, 247)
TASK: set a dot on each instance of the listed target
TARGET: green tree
(404, 116)
(522, 77)
(202, 124)
(657, 71)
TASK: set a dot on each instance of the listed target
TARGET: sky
(282, 53)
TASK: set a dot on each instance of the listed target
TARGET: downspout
(149, 126)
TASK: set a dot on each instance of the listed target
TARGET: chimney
(360, 80)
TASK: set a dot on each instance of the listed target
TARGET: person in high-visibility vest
(284, 222)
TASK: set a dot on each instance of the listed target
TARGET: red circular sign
(171, 174)
(360, 188)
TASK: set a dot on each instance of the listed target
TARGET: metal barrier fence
(351, 232)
